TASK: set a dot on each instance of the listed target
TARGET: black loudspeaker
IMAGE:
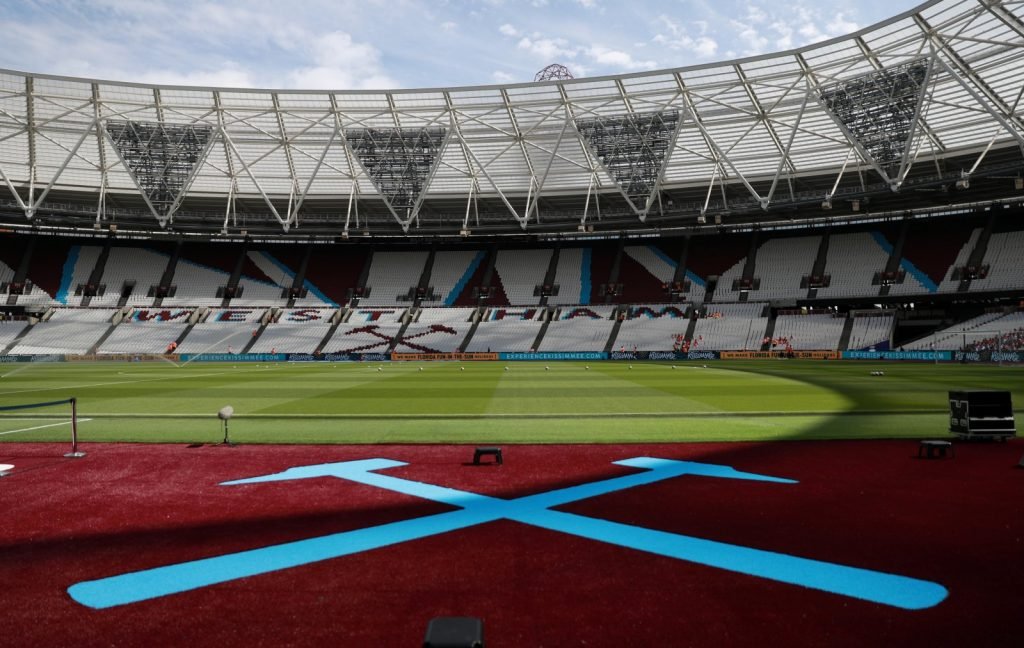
(454, 632)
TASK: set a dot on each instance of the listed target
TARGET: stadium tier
(228, 297)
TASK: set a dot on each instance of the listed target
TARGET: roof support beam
(942, 45)
(293, 215)
(985, 103)
(30, 120)
(716, 153)
(245, 167)
(789, 145)
(101, 202)
(474, 167)
(232, 176)
(30, 211)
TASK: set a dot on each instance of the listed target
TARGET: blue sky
(353, 44)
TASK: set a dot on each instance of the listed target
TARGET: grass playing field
(484, 402)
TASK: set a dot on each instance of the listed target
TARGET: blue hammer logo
(536, 510)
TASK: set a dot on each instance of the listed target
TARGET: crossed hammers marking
(473, 509)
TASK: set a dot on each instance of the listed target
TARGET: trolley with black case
(981, 415)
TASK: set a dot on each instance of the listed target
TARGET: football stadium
(715, 355)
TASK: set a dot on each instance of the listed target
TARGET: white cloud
(547, 49)
(839, 25)
(340, 63)
(617, 59)
(677, 37)
(343, 43)
(502, 77)
(230, 76)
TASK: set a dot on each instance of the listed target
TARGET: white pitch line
(40, 427)
(105, 384)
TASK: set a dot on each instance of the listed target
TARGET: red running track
(872, 504)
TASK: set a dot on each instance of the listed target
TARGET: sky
(383, 44)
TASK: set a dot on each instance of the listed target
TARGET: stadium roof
(930, 98)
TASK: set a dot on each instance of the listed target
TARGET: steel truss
(399, 162)
(161, 158)
(879, 111)
(632, 148)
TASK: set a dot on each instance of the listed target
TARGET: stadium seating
(954, 337)
(652, 327)
(433, 337)
(6, 273)
(66, 330)
(80, 263)
(853, 261)
(9, 330)
(45, 271)
(334, 271)
(449, 274)
(147, 331)
(602, 259)
(930, 250)
(521, 271)
(638, 284)
(392, 275)
(223, 330)
(363, 338)
(583, 328)
(130, 264)
(949, 283)
(196, 285)
(36, 297)
(572, 271)
(781, 265)
(1003, 256)
(437, 330)
(810, 332)
(871, 330)
(653, 260)
(507, 329)
(663, 267)
(1007, 335)
(296, 330)
(453, 315)
(730, 327)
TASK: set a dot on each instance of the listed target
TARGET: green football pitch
(527, 402)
